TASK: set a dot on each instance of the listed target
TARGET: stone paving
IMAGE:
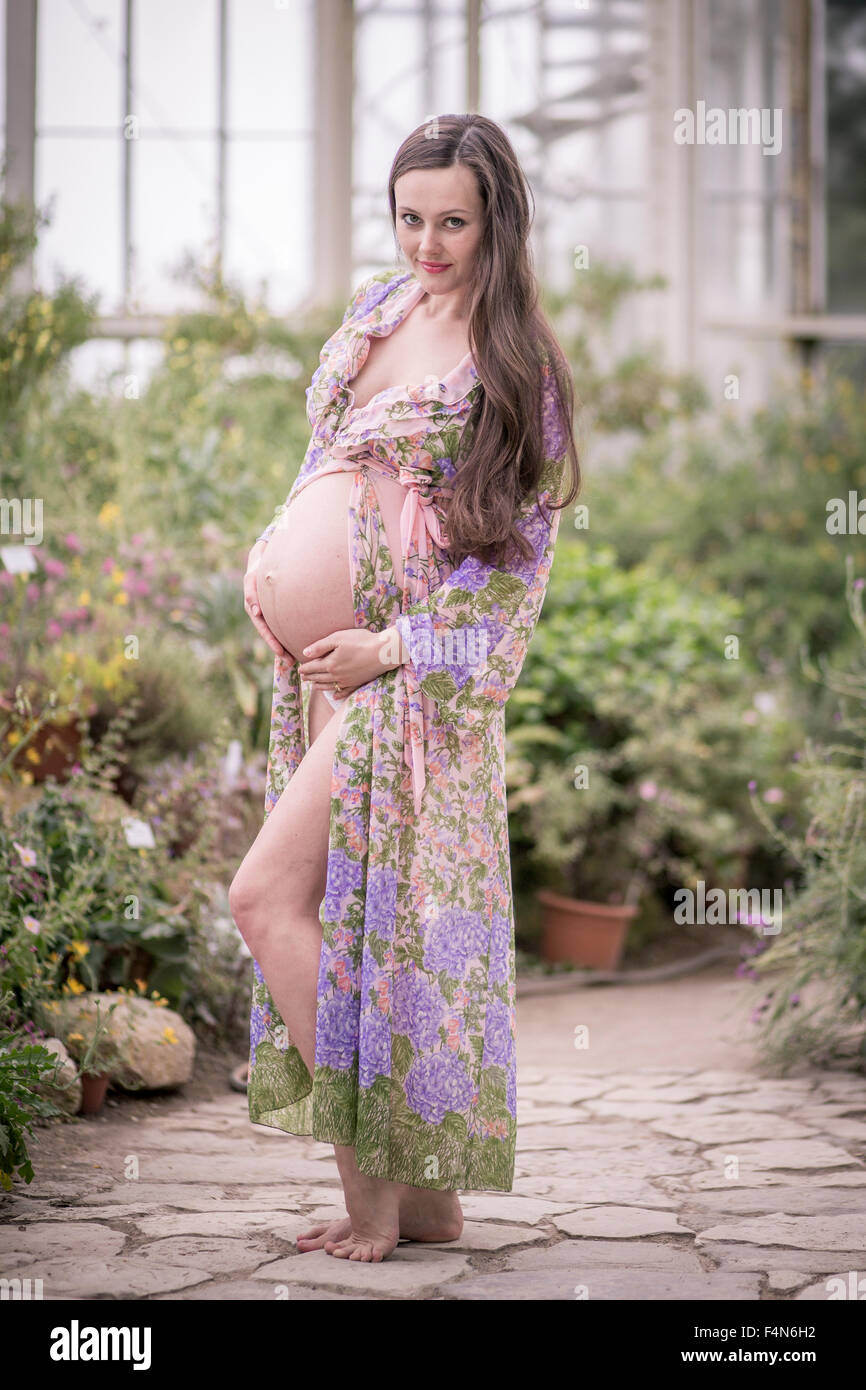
(647, 1184)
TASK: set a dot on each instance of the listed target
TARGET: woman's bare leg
(278, 916)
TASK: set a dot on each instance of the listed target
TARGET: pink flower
(53, 630)
(107, 566)
(32, 924)
(72, 542)
(774, 794)
(648, 791)
(32, 593)
(55, 567)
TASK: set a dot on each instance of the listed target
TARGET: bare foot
(374, 1212)
(315, 1238)
(423, 1214)
(430, 1214)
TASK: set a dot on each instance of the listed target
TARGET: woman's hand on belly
(349, 658)
(253, 607)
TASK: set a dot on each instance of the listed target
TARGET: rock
(620, 1223)
(155, 1048)
(66, 1091)
(827, 1231)
(784, 1280)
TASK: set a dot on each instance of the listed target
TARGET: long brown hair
(509, 338)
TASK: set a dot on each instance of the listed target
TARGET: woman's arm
(468, 640)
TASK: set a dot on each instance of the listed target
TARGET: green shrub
(627, 678)
(24, 1067)
(816, 1009)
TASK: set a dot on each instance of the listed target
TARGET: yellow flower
(32, 756)
(76, 986)
(79, 947)
(84, 596)
(118, 575)
(108, 512)
(69, 658)
(169, 1035)
(121, 597)
(142, 985)
(75, 1037)
(13, 737)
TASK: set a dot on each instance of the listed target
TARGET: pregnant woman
(399, 586)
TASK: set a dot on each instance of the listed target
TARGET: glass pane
(79, 64)
(269, 234)
(270, 67)
(174, 212)
(175, 64)
(83, 176)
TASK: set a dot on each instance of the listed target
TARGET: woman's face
(439, 224)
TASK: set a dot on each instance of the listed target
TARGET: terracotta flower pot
(583, 933)
(93, 1088)
(57, 747)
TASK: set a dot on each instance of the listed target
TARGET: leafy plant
(24, 1067)
(631, 738)
(816, 1008)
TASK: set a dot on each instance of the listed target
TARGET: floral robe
(415, 1024)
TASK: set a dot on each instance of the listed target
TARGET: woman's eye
(406, 216)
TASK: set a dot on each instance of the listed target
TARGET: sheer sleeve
(467, 641)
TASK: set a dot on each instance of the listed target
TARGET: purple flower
(375, 294)
(500, 941)
(417, 1007)
(345, 876)
(381, 906)
(498, 1038)
(437, 1083)
(257, 1030)
(374, 1055)
(453, 939)
(337, 1032)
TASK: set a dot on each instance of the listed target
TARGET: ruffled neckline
(447, 390)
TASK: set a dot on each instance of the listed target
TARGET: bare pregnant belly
(304, 579)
